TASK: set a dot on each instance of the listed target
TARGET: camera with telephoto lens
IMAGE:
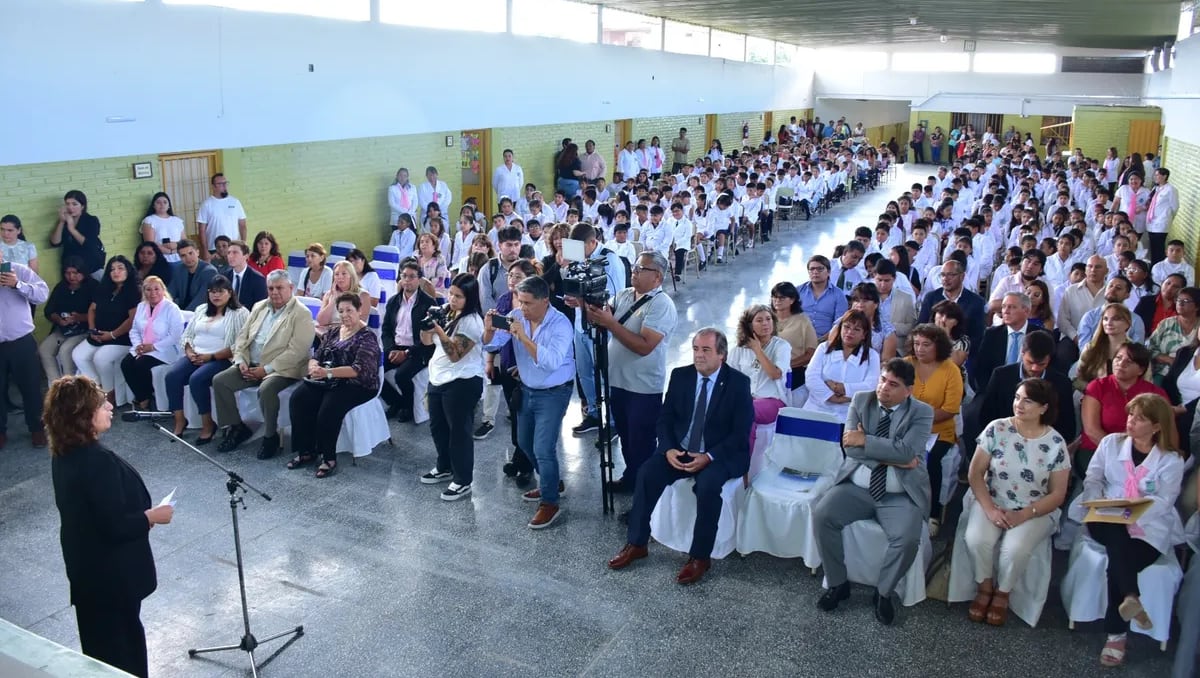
(587, 280)
(435, 316)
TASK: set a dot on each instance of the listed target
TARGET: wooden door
(710, 131)
(1144, 136)
(769, 123)
(185, 179)
(475, 145)
(623, 132)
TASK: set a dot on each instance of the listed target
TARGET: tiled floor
(390, 581)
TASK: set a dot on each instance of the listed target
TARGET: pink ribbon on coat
(1133, 479)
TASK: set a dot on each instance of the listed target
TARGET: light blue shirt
(712, 383)
(823, 312)
(1091, 319)
(555, 340)
(15, 301)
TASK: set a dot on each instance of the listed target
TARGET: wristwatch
(1034, 509)
(328, 374)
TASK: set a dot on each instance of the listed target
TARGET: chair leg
(1071, 624)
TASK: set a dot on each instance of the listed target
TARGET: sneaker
(545, 516)
(454, 491)
(588, 425)
(536, 493)
(484, 430)
(435, 476)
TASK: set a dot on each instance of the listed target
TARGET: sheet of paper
(169, 500)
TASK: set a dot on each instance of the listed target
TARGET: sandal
(1131, 610)
(979, 607)
(301, 460)
(326, 469)
(997, 612)
(1113, 653)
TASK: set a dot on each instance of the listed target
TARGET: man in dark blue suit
(249, 285)
(703, 433)
(972, 304)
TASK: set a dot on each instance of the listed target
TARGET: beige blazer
(287, 348)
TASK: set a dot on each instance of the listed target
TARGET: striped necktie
(878, 485)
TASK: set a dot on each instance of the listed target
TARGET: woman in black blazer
(106, 520)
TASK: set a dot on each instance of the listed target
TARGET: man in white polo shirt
(220, 214)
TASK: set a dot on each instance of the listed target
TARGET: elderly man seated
(883, 478)
(271, 353)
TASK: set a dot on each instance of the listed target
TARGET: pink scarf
(405, 201)
(1133, 479)
(148, 336)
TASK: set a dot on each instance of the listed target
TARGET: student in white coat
(1145, 462)
(682, 237)
(842, 366)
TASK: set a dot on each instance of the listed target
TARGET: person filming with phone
(20, 287)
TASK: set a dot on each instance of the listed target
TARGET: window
(555, 19)
(1015, 62)
(786, 55)
(859, 62)
(929, 62)
(685, 38)
(727, 45)
(760, 50)
(351, 10)
(488, 16)
(631, 30)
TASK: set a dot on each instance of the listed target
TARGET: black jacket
(254, 287)
(1145, 310)
(974, 308)
(420, 309)
(105, 535)
(996, 401)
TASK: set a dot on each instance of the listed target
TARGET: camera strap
(636, 305)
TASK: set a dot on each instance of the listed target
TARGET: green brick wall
(534, 148)
(1183, 159)
(784, 116)
(1096, 128)
(729, 129)
(667, 129)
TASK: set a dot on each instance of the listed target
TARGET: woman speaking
(106, 519)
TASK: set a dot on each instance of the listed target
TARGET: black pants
(451, 411)
(1158, 247)
(934, 465)
(767, 221)
(1126, 558)
(400, 396)
(317, 415)
(137, 375)
(19, 361)
(680, 261)
(918, 153)
(635, 416)
(113, 633)
(512, 389)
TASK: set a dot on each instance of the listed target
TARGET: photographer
(585, 352)
(541, 339)
(640, 322)
(492, 286)
(455, 384)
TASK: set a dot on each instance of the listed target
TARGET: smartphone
(501, 322)
(94, 331)
(6, 267)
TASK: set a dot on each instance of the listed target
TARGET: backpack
(625, 263)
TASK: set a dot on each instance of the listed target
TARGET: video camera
(584, 278)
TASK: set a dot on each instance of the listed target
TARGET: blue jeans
(569, 187)
(538, 425)
(585, 366)
(184, 373)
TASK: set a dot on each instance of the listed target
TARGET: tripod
(233, 484)
(599, 337)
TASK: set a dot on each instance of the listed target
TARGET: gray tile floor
(390, 581)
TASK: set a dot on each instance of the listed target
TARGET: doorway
(476, 158)
(185, 178)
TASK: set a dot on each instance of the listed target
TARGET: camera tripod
(599, 337)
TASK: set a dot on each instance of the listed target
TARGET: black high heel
(300, 461)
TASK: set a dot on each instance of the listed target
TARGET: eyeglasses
(1184, 301)
(815, 269)
(645, 269)
(409, 276)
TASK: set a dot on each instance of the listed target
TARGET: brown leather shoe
(545, 516)
(627, 555)
(536, 493)
(39, 438)
(693, 571)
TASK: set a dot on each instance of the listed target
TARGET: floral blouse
(1167, 339)
(1019, 471)
(361, 351)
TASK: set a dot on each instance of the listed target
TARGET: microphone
(137, 415)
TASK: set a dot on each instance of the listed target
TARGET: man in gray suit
(883, 478)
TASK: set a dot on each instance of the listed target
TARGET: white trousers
(1016, 546)
(100, 363)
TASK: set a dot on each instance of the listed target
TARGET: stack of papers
(804, 481)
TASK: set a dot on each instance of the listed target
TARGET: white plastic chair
(1028, 596)
(341, 248)
(777, 515)
(1085, 588)
(674, 517)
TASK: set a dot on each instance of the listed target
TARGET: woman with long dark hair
(152, 261)
(161, 226)
(78, 233)
(456, 373)
(568, 171)
(109, 319)
(899, 256)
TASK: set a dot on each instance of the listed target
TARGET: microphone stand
(235, 483)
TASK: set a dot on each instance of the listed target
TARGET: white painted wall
(204, 77)
(1177, 92)
(869, 113)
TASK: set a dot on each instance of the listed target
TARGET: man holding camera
(492, 286)
(585, 351)
(541, 338)
(641, 319)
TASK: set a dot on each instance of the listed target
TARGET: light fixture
(912, 21)
(943, 38)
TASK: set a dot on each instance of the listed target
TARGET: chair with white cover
(777, 515)
(385, 256)
(296, 265)
(366, 425)
(158, 375)
(1028, 595)
(341, 248)
(420, 383)
(313, 305)
(865, 544)
(1085, 588)
(674, 518)
(333, 259)
(387, 281)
